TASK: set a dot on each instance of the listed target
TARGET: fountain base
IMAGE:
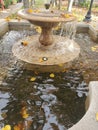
(63, 50)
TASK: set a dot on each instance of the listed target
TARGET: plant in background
(7, 3)
(84, 3)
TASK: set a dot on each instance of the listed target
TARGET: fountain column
(46, 37)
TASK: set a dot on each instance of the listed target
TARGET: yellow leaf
(52, 75)
(25, 116)
(7, 127)
(40, 60)
(25, 43)
(24, 112)
(97, 116)
(16, 127)
(30, 11)
(38, 29)
(7, 19)
(20, 126)
(33, 79)
(94, 48)
(61, 65)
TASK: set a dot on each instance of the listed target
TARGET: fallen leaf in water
(16, 127)
(20, 126)
(7, 127)
(52, 75)
(33, 79)
(24, 112)
(94, 48)
(24, 43)
(97, 116)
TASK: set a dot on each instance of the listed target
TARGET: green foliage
(85, 3)
(9, 2)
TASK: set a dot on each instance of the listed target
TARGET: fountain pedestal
(56, 49)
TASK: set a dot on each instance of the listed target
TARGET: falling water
(69, 28)
(69, 31)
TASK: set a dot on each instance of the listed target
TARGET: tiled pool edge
(88, 122)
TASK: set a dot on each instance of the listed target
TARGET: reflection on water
(49, 103)
(52, 103)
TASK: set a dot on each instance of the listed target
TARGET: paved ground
(11, 10)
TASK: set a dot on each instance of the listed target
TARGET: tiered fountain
(46, 49)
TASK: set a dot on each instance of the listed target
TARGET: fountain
(48, 102)
(46, 48)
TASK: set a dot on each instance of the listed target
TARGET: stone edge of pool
(88, 122)
(82, 27)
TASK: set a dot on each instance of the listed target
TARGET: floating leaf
(97, 116)
(20, 126)
(24, 112)
(33, 79)
(52, 75)
(94, 48)
(16, 127)
(7, 127)
(25, 43)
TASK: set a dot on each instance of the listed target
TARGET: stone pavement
(11, 10)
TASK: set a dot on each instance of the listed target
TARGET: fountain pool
(55, 102)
